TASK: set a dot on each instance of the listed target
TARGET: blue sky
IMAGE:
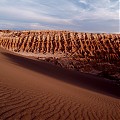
(75, 15)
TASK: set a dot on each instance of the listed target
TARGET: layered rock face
(69, 47)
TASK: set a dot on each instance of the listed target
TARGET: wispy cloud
(80, 15)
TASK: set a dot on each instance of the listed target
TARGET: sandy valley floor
(35, 90)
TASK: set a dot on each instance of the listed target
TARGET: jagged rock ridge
(86, 45)
(75, 48)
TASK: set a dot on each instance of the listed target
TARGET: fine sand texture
(35, 90)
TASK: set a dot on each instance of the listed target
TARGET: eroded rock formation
(77, 49)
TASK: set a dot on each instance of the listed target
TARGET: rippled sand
(35, 90)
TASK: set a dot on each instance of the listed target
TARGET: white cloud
(83, 1)
(103, 9)
(58, 13)
(28, 15)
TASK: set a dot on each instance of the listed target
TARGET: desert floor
(36, 90)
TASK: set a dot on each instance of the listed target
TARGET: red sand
(35, 90)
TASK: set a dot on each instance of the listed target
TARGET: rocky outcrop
(101, 47)
(92, 48)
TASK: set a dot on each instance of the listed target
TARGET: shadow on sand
(83, 80)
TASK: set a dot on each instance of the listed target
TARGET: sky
(75, 15)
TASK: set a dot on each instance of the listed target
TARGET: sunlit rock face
(85, 52)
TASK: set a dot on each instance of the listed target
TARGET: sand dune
(33, 89)
(36, 90)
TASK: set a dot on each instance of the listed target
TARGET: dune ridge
(27, 94)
